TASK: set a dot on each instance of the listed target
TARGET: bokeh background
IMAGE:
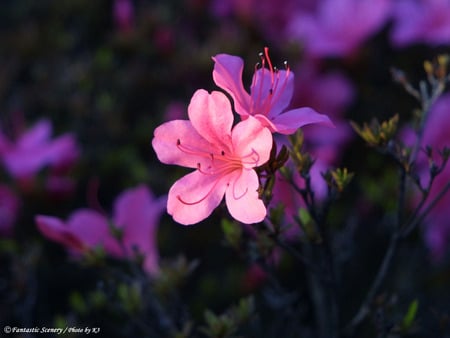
(109, 72)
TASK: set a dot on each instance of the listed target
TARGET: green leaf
(410, 316)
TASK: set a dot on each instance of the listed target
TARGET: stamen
(239, 197)
(201, 199)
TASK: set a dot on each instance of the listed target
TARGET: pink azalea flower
(33, 150)
(9, 208)
(136, 214)
(338, 27)
(223, 156)
(270, 94)
(421, 21)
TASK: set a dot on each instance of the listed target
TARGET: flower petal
(211, 116)
(227, 74)
(171, 137)
(280, 85)
(136, 212)
(93, 230)
(56, 230)
(193, 197)
(289, 122)
(242, 198)
(37, 135)
(252, 142)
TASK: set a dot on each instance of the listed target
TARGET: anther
(178, 142)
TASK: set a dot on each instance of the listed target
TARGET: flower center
(219, 164)
(264, 96)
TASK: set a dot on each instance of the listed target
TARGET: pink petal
(211, 116)
(252, 142)
(242, 198)
(227, 74)
(193, 197)
(93, 230)
(38, 135)
(63, 151)
(25, 162)
(171, 137)
(287, 123)
(136, 212)
(56, 230)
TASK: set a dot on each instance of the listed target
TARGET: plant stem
(382, 272)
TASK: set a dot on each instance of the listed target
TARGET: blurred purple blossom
(33, 150)
(135, 215)
(338, 27)
(123, 15)
(9, 207)
(330, 93)
(176, 111)
(421, 21)
(437, 227)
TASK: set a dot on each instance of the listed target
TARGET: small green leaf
(410, 315)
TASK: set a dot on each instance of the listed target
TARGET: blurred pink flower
(437, 227)
(175, 111)
(270, 17)
(34, 149)
(136, 214)
(285, 194)
(123, 14)
(270, 94)
(224, 159)
(330, 92)
(338, 27)
(9, 208)
(421, 21)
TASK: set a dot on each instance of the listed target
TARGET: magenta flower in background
(271, 17)
(270, 94)
(327, 91)
(421, 21)
(175, 111)
(123, 15)
(224, 158)
(34, 149)
(136, 214)
(9, 208)
(437, 225)
(338, 27)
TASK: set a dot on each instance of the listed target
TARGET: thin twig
(365, 306)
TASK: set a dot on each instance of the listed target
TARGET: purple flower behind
(436, 135)
(136, 213)
(123, 15)
(33, 150)
(9, 208)
(421, 21)
(338, 27)
(331, 93)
